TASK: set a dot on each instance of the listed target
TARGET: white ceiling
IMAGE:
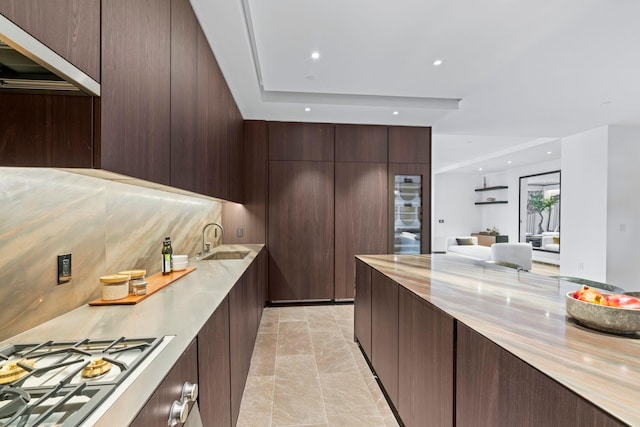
(515, 74)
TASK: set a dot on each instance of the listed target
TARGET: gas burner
(95, 368)
(12, 370)
(63, 383)
(14, 399)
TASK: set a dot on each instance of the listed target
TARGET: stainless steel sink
(227, 255)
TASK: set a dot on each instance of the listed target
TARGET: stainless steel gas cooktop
(60, 383)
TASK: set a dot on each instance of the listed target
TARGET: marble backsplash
(107, 226)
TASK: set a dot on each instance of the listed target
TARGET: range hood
(27, 65)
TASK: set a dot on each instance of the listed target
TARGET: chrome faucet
(206, 246)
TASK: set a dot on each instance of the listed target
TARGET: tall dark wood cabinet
(213, 368)
(494, 387)
(365, 160)
(136, 88)
(217, 117)
(300, 230)
(384, 332)
(300, 212)
(71, 28)
(361, 198)
(156, 410)
(235, 141)
(425, 363)
(185, 149)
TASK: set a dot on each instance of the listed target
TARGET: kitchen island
(182, 312)
(456, 341)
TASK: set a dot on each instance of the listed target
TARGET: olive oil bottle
(167, 256)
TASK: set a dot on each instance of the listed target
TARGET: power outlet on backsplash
(64, 268)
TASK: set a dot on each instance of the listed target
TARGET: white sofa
(520, 254)
(470, 251)
(547, 243)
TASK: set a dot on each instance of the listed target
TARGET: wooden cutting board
(154, 284)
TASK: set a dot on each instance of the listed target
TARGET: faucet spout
(205, 249)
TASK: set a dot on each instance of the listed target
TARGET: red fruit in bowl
(623, 301)
(591, 295)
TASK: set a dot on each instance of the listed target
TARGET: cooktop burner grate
(59, 383)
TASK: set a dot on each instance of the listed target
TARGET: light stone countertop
(180, 309)
(524, 313)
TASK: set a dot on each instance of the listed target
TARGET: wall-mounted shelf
(498, 187)
(491, 203)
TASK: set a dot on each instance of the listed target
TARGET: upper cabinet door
(136, 88)
(46, 130)
(300, 141)
(409, 145)
(184, 147)
(358, 143)
(71, 28)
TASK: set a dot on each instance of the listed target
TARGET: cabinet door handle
(189, 392)
(178, 413)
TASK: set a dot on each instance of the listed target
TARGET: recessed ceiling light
(479, 169)
(508, 162)
(548, 152)
(437, 62)
(307, 109)
(395, 113)
(315, 55)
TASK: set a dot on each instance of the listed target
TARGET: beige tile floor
(307, 371)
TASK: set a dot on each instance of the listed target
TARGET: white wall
(623, 208)
(506, 217)
(453, 202)
(583, 222)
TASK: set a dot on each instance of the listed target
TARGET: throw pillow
(464, 241)
(556, 240)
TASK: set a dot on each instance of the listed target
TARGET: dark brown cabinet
(425, 363)
(409, 145)
(184, 91)
(363, 211)
(217, 171)
(301, 211)
(493, 387)
(362, 307)
(438, 371)
(71, 28)
(213, 368)
(225, 346)
(301, 141)
(361, 218)
(46, 130)
(300, 232)
(206, 142)
(361, 143)
(361, 198)
(156, 410)
(135, 88)
(243, 326)
(384, 332)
